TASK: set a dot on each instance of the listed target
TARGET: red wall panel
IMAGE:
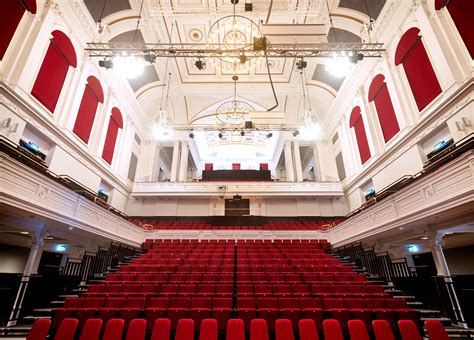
(116, 123)
(12, 11)
(357, 123)
(378, 93)
(462, 11)
(86, 115)
(412, 55)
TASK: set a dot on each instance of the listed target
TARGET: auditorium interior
(236, 169)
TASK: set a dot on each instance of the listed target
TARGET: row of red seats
(243, 290)
(232, 241)
(247, 308)
(284, 330)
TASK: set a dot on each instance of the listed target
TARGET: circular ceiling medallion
(195, 34)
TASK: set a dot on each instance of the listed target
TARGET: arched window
(115, 123)
(378, 93)
(49, 82)
(13, 11)
(461, 12)
(356, 122)
(93, 95)
(421, 77)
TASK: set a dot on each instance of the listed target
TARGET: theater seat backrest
(235, 329)
(136, 330)
(258, 329)
(332, 330)
(408, 330)
(66, 330)
(39, 330)
(436, 330)
(161, 329)
(308, 330)
(208, 329)
(185, 330)
(91, 330)
(114, 329)
(382, 330)
(284, 330)
(357, 330)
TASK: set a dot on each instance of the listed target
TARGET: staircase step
(68, 296)
(443, 320)
(406, 297)
(427, 311)
(414, 303)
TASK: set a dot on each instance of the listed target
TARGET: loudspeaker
(248, 124)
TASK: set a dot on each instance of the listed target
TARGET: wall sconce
(6, 123)
(463, 123)
(14, 128)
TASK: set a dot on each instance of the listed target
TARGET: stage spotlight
(191, 135)
(242, 59)
(242, 133)
(220, 135)
(296, 133)
(301, 64)
(269, 135)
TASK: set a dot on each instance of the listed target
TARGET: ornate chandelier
(235, 111)
(233, 36)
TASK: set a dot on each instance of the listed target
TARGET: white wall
(63, 163)
(13, 259)
(15, 123)
(409, 163)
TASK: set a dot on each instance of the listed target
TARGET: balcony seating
(66, 330)
(91, 330)
(39, 330)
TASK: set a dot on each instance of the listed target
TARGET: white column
(290, 177)
(31, 267)
(183, 164)
(374, 129)
(174, 162)
(297, 161)
(146, 163)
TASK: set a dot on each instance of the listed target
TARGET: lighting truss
(165, 50)
(234, 127)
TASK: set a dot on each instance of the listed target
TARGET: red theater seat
(178, 309)
(246, 310)
(357, 330)
(290, 309)
(39, 330)
(436, 330)
(258, 330)
(284, 330)
(308, 330)
(235, 166)
(155, 309)
(185, 330)
(382, 330)
(161, 329)
(208, 330)
(332, 330)
(66, 330)
(263, 166)
(222, 311)
(114, 329)
(136, 330)
(235, 330)
(67, 311)
(132, 309)
(408, 330)
(268, 309)
(91, 330)
(200, 310)
(208, 166)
